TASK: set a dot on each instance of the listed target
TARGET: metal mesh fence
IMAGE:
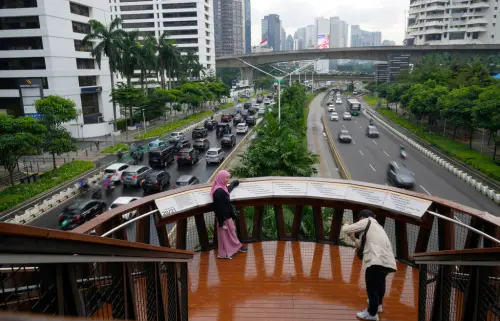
(192, 239)
(390, 229)
(412, 232)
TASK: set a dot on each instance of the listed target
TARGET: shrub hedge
(15, 195)
(114, 149)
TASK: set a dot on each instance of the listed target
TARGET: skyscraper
(362, 38)
(282, 38)
(338, 36)
(248, 26)
(322, 27)
(289, 43)
(300, 36)
(271, 29)
(311, 37)
(229, 27)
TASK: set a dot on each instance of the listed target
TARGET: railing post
(201, 227)
(471, 295)
(181, 234)
(424, 234)
(183, 291)
(422, 293)
(338, 216)
(172, 290)
(297, 221)
(257, 223)
(280, 222)
(162, 232)
(401, 240)
(242, 225)
(446, 232)
(318, 224)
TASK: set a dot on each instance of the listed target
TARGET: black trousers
(375, 276)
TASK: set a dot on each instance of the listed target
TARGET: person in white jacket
(378, 259)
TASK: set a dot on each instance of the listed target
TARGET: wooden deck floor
(292, 281)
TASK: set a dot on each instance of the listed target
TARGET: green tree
(264, 82)
(371, 86)
(127, 63)
(108, 39)
(219, 89)
(486, 113)
(423, 102)
(146, 58)
(55, 111)
(192, 94)
(129, 97)
(19, 137)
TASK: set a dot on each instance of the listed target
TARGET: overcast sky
(386, 16)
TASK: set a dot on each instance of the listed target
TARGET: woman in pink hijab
(224, 213)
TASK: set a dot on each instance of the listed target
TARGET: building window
(79, 9)
(13, 83)
(183, 32)
(79, 46)
(82, 63)
(13, 4)
(90, 108)
(457, 35)
(188, 49)
(79, 27)
(145, 33)
(26, 43)
(185, 41)
(137, 7)
(11, 23)
(138, 25)
(492, 36)
(180, 23)
(86, 81)
(180, 15)
(34, 63)
(188, 5)
(137, 16)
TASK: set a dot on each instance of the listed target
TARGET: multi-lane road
(366, 159)
(200, 170)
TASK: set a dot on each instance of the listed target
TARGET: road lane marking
(425, 190)
(354, 142)
(343, 126)
(361, 153)
(412, 173)
(375, 142)
(372, 168)
(386, 153)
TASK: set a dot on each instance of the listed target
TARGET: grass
(373, 100)
(460, 151)
(161, 130)
(14, 195)
(114, 149)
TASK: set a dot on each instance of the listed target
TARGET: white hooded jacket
(378, 248)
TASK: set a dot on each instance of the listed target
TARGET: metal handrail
(464, 225)
(128, 222)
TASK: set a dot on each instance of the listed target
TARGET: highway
(200, 170)
(366, 159)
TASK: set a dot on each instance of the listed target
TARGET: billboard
(323, 41)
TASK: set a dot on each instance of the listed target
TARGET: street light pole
(144, 120)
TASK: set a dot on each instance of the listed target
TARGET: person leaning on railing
(228, 242)
(375, 249)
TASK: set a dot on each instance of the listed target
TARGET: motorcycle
(402, 154)
(371, 121)
(96, 192)
(108, 189)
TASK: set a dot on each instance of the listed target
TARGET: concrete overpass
(380, 53)
(324, 77)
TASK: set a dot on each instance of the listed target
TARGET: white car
(338, 101)
(262, 111)
(347, 116)
(334, 116)
(176, 136)
(242, 128)
(123, 200)
(115, 171)
(267, 101)
(331, 108)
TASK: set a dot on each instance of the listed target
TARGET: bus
(354, 106)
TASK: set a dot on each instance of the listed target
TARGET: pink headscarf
(219, 182)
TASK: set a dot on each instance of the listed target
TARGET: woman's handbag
(361, 248)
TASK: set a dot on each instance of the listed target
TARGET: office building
(389, 71)
(271, 29)
(388, 43)
(247, 26)
(289, 43)
(322, 26)
(339, 31)
(282, 38)
(296, 44)
(189, 24)
(311, 37)
(299, 39)
(362, 38)
(449, 22)
(229, 23)
(41, 54)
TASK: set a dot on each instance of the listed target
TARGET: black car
(200, 132)
(186, 180)
(188, 156)
(247, 105)
(211, 124)
(260, 99)
(178, 146)
(251, 121)
(399, 175)
(155, 181)
(223, 129)
(201, 144)
(161, 156)
(252, 111)
(237, 119)
(371, 131)
(244, 114)
(228, 140)
(80, 212)
(344, 136)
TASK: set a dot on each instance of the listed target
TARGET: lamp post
(144, 121)
(279, 79)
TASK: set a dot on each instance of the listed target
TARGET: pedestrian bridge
(162, 264)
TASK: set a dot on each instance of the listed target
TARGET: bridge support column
(246, 73)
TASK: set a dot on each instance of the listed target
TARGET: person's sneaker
(380, 310)
(243, 250)
(364, 315)
(225, 257)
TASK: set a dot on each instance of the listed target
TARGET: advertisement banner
(323, 41)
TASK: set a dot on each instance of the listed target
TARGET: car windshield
(344, 132)
(241, 125)
(115, 205)
(403, 171)
(76, 207)
(181, 183)
(109, 171)
(226, 137)
(212, 153)
(174, 134)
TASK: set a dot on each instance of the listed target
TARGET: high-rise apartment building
(189, 24)
(247, 26)
(282, 38)
(339, 31)
(362, 38)
(300, 37)
(229, 27)
(311, 37)
(41, 54)
(271, 29)
(322, 26)
(443, 22)
(289, 43)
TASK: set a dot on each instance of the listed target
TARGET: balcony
(432, 7)
(298, 266)
(477, 5)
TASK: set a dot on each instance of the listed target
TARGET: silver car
(215, 155)
(176, 136)
(133, 175)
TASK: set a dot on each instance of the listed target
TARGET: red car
(226, 118)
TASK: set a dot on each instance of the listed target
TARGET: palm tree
(107, 46)
(128, 53)
(162, 47)
(146, 58)
(173, 60)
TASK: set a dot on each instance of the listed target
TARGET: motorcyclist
(107, 182)
(402, 151)
(371, 121)
(84, 183)
(119, 155)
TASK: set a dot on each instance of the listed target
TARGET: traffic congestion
(171, 161)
